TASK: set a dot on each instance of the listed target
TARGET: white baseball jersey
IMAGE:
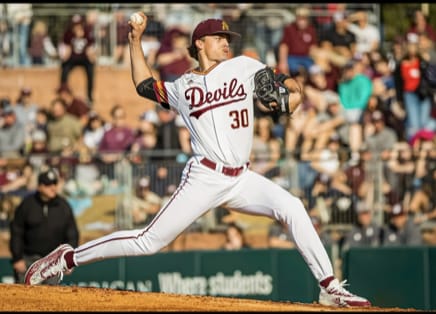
(217, 107)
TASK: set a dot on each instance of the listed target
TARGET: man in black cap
(42, 221)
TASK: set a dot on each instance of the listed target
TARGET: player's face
(217, 47)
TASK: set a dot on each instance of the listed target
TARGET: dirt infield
(15, 297)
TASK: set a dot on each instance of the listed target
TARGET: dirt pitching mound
(15, 297)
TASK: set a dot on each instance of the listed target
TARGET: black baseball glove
(269, 90)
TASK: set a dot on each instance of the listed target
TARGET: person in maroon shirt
(78, 49)
(116, 141)
(298, 39)
(420, 26)
(173, 58)
(75, 105)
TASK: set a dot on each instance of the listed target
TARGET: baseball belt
(228, 171)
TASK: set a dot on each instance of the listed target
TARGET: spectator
(330, 67)
(384, 91)
(235, 238)
(148, 120)
(238, 18)
(122, 30)
(4, 102)
(337, 197)
(266, 149)
(365, 233)
(380, 143)
(5, 43)
(400, 229)
(367, 34)
(115, 143)
(41, 46)
(324, 16)
(66, 162)
(279, 119)
(357, 174)
(42, 221)
(74, 105)
(21, 16)
(21, 181)
(25, 110)
(354, 91)
(422, 204)
(318, 196)
(63, 129)
(278, 236)
(184, 139)
(428, 53)
(338, 40)
(315, 88)
(41, 119)
(298, 39)
(145, 137)
(7, 209)
(420, 25)
(428, 233)
(296, 132)
(91, 20)
(412, 94)
(382, 139)
(172, 58)
(93, 131)
(163, 174)
(168, 141)
(297, 127)
(151, 40)
(38, 153)
(12, 134)
(7, 174)
(326, 161)
(145, 203)
(401, 171)
(329, 121)
(268, 30)
(423, 200)
(78, 49)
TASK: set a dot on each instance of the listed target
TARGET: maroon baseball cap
(211, 27)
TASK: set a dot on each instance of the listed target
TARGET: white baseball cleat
(336, 295)
(49, 266)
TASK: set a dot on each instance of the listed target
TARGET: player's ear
(199, 43)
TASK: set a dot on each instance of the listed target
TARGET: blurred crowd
(360, 150)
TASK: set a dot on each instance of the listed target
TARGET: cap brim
(234, 34)
(230, 33)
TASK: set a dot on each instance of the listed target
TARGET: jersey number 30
(240, 118)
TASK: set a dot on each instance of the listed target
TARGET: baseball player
(216, 102)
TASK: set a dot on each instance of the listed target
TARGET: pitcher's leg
(191, 200)
(257, 195)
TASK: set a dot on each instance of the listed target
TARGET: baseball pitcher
(216, 102)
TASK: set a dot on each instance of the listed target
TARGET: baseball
(136, 18)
